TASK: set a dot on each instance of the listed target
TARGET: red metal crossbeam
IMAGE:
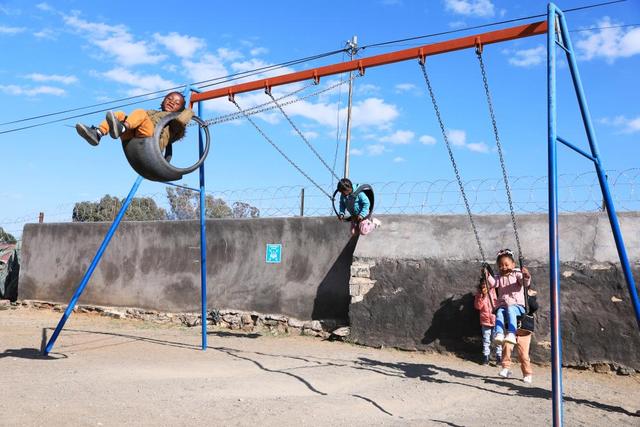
(360, 65)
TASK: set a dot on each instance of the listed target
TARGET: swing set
(145, 156)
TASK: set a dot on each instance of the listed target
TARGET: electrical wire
(248, 73)
(492, 24)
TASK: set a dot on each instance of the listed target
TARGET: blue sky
(65, 54)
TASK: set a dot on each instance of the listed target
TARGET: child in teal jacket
(358, 206)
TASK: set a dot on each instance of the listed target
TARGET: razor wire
(578, 193)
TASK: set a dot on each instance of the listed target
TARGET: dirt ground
(107, 372)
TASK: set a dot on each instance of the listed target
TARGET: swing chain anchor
(479, 46)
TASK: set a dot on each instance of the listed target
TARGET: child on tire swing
(357, 206)
(141, 123)
(508, 284)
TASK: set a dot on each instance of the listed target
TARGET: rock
(231, 318)
(602, 368)
(295, 323)
(342, 332)
(314, 325)
(622, 370)
(115, 314)
(246, 320)
(189, 320)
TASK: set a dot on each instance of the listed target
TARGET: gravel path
(107, 372)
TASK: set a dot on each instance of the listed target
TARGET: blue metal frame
(557, 26)
(94, 264)
(114, 227)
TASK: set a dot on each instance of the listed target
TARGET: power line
(244, 74)
(492, 24)
(217, 80)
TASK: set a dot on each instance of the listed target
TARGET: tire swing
(146, 158)
(364, 188)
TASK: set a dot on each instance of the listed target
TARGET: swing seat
(146, 158)
(364, 188)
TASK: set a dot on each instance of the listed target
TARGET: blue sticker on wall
(274, 253)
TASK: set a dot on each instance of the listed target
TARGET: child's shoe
(527, 379)
(485, 360)
(498, 359)
(91, 134)
(510, 338)
(505, 373)
(498, 339)
(116, 127)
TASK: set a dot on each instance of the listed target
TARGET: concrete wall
(424, 272)
(413, 281)
(156, 265)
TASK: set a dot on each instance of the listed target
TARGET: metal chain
(306, 141)
(500, 154)
(278, 148)
(453, 161)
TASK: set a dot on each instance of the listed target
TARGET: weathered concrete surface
(155, 265)
(422, 297)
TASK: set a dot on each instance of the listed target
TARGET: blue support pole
(554, 262)
(602, 178)
(203, 242)
(92, 267)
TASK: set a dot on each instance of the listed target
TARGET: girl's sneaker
(527, 379)
(505, 373)
(498, 339)
(510, 338)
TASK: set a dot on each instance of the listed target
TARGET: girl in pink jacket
(508, 284)
(485, 306)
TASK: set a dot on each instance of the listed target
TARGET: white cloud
(257, 51)
(373, 112)
(399, 137)
(399, 160)
(229, 54)
(376, 149)
(367, 89)
(356, 152)
(207, 67)
(480, 8)
(457, 24)
(37, 77)
(527, 57)
(405, 87)
(309, 134)
(45, 33)
(115, 41)
(39, 90)
(478, 147)
(11, 30)
(624, 124)
(140, 83)
(44, 6)
(180, 45)
(369, 112)
(609, 43)
(427, 140)
(457, 137)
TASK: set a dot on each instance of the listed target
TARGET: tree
(180, 203)
(140, 209)
(6, 237)
(185, 204)
(245, 210)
